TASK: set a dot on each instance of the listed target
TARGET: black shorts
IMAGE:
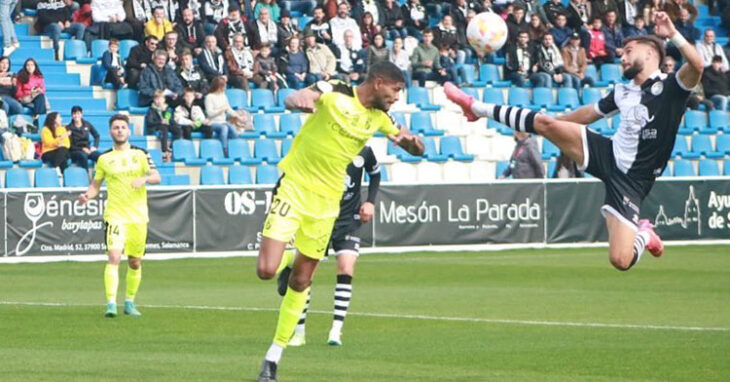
(624, 193)
(345, 239)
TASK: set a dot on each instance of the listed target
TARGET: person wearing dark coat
(211, 60)
(393, 21)
(526, 162)
(286, 29)
(56, 17)
(139, 58)
(235, 24)
(552, 9)
(191, 76)
(190, 32)
(81, 148)
(159, 76)
(111, 61)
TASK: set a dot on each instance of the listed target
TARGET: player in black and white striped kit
(651, 108)
(345, 241)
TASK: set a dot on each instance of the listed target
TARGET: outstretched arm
(408, 141)
(302, 100)
(690, 73)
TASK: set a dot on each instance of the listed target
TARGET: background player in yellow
(307, 197)
(126, 169)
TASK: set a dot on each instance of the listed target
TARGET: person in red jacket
(31, 89)
(597, 50)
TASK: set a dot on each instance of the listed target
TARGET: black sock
(515, 117)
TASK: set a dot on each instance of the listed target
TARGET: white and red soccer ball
(487, 32)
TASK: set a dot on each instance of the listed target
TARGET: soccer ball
(487, 32)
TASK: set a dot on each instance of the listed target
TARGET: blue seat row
(46, 177)
(449, 148)
(237, 174)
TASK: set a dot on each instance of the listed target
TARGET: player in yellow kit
(126, 169)
(306, 199)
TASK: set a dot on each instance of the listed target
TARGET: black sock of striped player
(640, 242)
(343, 294)
(303, 318)
(515, 117)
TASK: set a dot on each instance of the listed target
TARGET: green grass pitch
(528, 315)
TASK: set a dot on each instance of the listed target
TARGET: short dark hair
(387, 71)
(233, 8)
(427, 31)
(150, 37)
(717, 58)
(651, 41)
(76, 108)
(118, 117)
(321, 8)
(188, 90)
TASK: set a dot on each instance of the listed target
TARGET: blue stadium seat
(211, 176)
(611, 73)
(98, 75)
(303, 21)
(125, 46)
(474, 92)
(551, 165)
(281, 95)
(723, 144)
(183, 150)
(156, 155)
(400, 118)
(265, 149)
(709, 167)
(726, 167)
(176, 180)
(601, 126)
(238, 150)
(695, 120)
(402, 154)
(467, 75)
(501, 166)
(17, 178)
(451, 147)
(501, 128)
(431, 153)
(267, 174)
(543, 97)
(239, 175)
(419, 96)
(592, 72)
(46, 177)
(237, 98)
(683, 167)
(33, 163)
(568, 98)
(549, 150)
(718, 121)
(264, 124)
(489, 74)
(75, 177)
(285, 146)
(212, 150)
(263, 99)
(681, 149)
(591, 96)
(74, 49)
(422, 123)
(98, 47)
(290, 123)
(128, 99)
(667, 171)
(701, 144)
(3, 162)
(492, 95)
(520, 97)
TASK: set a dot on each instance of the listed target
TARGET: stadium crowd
(191, 48)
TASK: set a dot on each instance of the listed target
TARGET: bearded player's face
(387, 94)
(634, 59)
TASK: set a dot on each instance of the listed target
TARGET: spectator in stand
(266, 73)
(716, 83)
(219, 110)
(400, 58)
(293, 63)
(189, 116)
(566, 168)
(516, 23)
(686, 29)
(159, 119)
(579, 14)
(695, 99)
(10, 40)
(305, 7)
(11, 106)
(628, 11)
(234, 24)
(108, 17)
(81, 148)
(526, 162)
(378, 52)
(708, 49)
(83, 15)
(320, 27)
(138, 14)
(459, 10)
(111, 61)
(601, 7)
(266, 30)
(393, 20)
(448, 70)
(192, 77)
(368, 29)
(30, 89)
(351, 67)
(425, 60)
(537, 29)
(344, 22)
(195, 5)
(651, 8)
(55, 142)
(240, 62)
(170, 7)
(286, 29)
(159, 76)
(613, 34)
(519, 60)
(448, 34)
(638, 29)
(158, 26)
(560, 30)
(211, 60)
(215, 12)
(552, 9)
(54, 17)
(171, 44)
(597, 50)
(190, 32)
(374, 7)
(139, 58)
(415, 18)
(575, 61)
(674, 7)
(550, 67)
(322, 62)
(271, 6)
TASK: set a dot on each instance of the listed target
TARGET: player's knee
(264, 272)
(621, 260)
(135, 263)
(299, 282)
(545, 124)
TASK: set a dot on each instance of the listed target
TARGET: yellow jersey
(331, 138)
(119, 168)
(50, 143)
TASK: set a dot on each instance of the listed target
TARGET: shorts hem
(347, 252)
(586, 156)
(609, 209)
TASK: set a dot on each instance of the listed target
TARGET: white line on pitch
(412, 317)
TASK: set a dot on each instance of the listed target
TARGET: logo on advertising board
(716, 214)
(246, 202)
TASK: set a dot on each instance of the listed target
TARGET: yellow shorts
(131, 238)
(302, 214)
